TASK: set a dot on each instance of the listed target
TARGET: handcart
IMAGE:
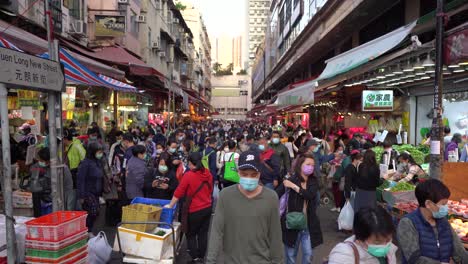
(176, 243)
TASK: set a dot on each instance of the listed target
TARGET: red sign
(456, 47)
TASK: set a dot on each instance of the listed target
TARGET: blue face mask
(275, 141)
(316, 149)
(42, 164)
(443, 212)
(261, 147)
(248, 184)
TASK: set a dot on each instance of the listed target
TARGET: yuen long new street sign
(27, 71)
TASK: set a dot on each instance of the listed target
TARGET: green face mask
(99, 156)
(379, 251)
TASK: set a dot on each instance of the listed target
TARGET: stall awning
(365, 53)
(33, 44)
(300, 95)
(119, 55)
(6, 44)
(76, 73)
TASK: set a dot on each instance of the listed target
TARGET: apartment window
(149, 37)
(281, 19)
(133, 24)
(288, 10)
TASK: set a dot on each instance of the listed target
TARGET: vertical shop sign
(68, 99)
(377, 100)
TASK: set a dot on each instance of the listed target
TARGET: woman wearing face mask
(302, 190)
(425, 235)
(89, 182)
(372, 240)
(229, 156)
(161, 183)
(410, 168)
(337, 176)
(367, 180)
(197, 183)
(350, 165)
(136, 172)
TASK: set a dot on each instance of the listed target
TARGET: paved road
(329, 228)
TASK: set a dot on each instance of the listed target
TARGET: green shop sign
(381, 100)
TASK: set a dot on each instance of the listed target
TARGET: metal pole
(6, 186)
(437, 146)
(53, 55)
(116, 108)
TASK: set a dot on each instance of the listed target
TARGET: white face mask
(226, 149)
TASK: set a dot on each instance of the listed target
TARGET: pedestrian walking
(425, 235)
(350, 174)
(270, 164)
(282, 151)
(136, 172)
(301, 198)
(196, 187)
(89, 182)
(161, 182)
(367, 181)
(372, 240)
(246, 226)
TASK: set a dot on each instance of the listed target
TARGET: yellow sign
(12, 103)
(28, 98)
(68, 99)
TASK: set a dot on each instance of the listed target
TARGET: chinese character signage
(28, 98)
(127, 99)
(456, 47)
(381, 100)
(110, 26)
(68, 99)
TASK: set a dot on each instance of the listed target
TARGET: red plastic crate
(75, 257)
(54, 246)
(56, 226)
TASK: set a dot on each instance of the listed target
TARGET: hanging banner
(377, 100)
(28, 98)
(110, 26)
(12, 102)
(68, 99)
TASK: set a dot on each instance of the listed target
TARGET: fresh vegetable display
(385, 185)
(418, 155)
(402, 186)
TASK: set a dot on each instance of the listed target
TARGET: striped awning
(6, 44)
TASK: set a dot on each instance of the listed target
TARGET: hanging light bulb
(408, 67)
(428, 62)
(430, 69)
(418, 65)
(446, 71)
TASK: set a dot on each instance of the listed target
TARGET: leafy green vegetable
(402, 186)
(160, 233)
(417, 154)
(384, 185)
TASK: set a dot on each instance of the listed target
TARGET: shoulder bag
(295, 220)
(186, 207)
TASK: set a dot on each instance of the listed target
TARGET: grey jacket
(135, 179)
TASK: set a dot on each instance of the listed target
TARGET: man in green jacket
(74, 153)
(281, 150)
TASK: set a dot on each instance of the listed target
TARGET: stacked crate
(59, 238)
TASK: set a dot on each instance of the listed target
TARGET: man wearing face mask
(313, 147)
(246, 225)
(136, 172)
(425, 235)
(270, 168)
(282, 152)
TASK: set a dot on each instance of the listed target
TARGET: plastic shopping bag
(99, 250)
(346, 218)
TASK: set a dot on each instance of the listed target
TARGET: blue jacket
(319, 160)
(211, 160)
(438, 248)
(89, 178)
(135, 179)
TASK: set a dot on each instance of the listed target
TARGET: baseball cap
(249, 160)
(312, 142)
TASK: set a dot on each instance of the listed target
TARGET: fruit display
(402, 186)
(406, 207)
(458, 208)
(461, 228)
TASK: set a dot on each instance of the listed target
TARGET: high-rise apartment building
(227, 50)
(257, 17)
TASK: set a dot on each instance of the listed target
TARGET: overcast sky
(222, 17)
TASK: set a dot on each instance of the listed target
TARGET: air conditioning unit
(155, 45)
(141, 19)
(78, 27)
(162, 54)
(176, 20)
(122, 2)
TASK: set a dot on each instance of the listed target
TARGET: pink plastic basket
(56, 226)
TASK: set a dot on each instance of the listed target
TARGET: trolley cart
(175, 243)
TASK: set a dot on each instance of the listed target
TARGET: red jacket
(190, 183)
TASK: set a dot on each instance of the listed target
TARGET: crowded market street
(233, 131)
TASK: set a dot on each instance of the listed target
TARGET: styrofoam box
(146, 245)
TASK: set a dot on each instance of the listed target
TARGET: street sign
(30, 72)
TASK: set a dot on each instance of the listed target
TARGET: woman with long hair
(410, 171)
(301, 190)
(89, 181)
(196, 187)
(367, 180)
